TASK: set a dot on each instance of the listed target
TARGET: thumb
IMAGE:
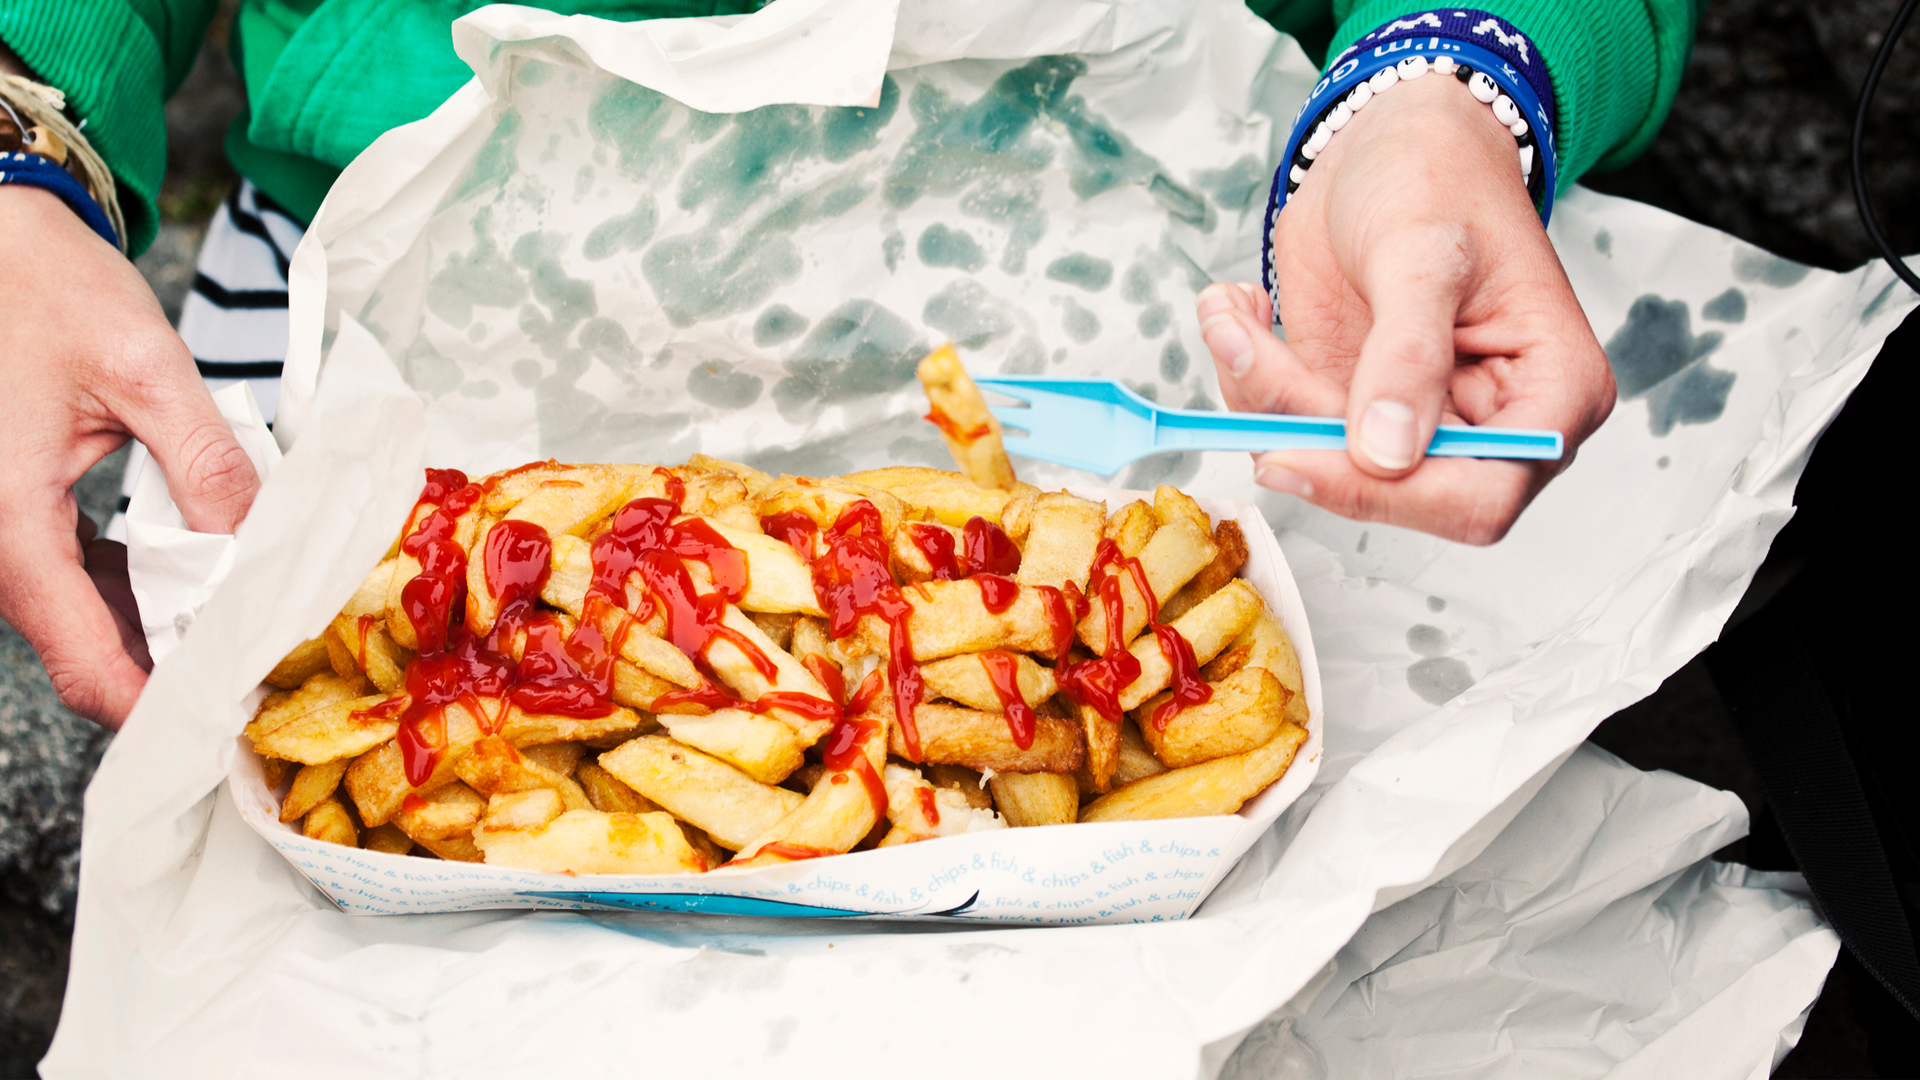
(1413, 284)
(165, 404)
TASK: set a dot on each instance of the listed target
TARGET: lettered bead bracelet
(1363, 73)
(1479, 84)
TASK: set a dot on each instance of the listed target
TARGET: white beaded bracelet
(1482, 87)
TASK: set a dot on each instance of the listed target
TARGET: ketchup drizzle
(929, 808)
(853, 578)
(558, 672)
(1003, 671)
(952, 427)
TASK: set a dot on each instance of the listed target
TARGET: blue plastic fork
(1101, 426)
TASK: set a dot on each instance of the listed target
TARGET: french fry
(1061, 540)
(910, 560)
(309, 658)
(704, 791)
(1027, 799)
(530, 809)
(274, 771)
(523, 729)
(330, 822)
(1230, 554)
(1136, 757)
(495, 767)
(593, 842)
(778, 628)
(951, 498)
(561, 757)
(609, 794)
(506, 489)
(964, 679)
(454, 849)
(1268, 646)
(1171, 557)
(373, 651)
(329, 733)
(387, 839)
(637, 688)
(1209, 627)
(824, 501)
(318, 692)
(446, 814)
(377, 779)
(1170, 504)
(1220, 786)
(1102, 738)
(312, 785)
(571, 503)
(763, 748)
(1131, 527)
(972, 434)
(1245, 711)
(950, 617)
(953, 735)
(754, 480)
(837, 814)
(709, 492)
(778, 579)
(1016, 518)
(406, 568)
(371, 597)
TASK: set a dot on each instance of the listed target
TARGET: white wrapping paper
(479, 288)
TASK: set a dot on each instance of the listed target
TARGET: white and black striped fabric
(235, 318)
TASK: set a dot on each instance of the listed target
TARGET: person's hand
(1416, 288)
(87, 359)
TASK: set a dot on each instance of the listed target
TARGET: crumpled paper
(478, 291)
(180, 568)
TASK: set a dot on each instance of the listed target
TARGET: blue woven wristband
(33, 170)
(1397, 42)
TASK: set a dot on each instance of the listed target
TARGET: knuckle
(216, 466)
(80, 692)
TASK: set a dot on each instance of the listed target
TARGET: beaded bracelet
(55, 156)
(32, 170)
(1354, 82)
(1483, 88)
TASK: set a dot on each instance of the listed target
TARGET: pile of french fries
(777, 738)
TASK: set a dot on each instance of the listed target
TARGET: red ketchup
(953, 430)
(828, 674)
(784, 850)
(852, 578)
(928, 807)
(996, 592)
(845, 750)
(794, 529)
(557, 673)
(1003, 671)
(989, 550)
(1189, 689)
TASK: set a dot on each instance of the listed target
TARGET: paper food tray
(1108, 872)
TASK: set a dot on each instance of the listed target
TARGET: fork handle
(1181, 429)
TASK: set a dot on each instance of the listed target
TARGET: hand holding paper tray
(1099, 425)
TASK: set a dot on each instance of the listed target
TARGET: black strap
(1792, 733)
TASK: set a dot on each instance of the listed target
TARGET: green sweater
(325, 77)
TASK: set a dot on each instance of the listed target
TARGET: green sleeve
(1615, 65)
(116, 60)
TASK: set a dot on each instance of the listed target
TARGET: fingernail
(1214, 299)
(1388, 434)
(1229, 344)
(1284, 480)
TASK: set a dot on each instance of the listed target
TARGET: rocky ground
(1756, 145)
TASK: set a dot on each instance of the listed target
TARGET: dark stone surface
(1757, 143)
(1756, 146)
